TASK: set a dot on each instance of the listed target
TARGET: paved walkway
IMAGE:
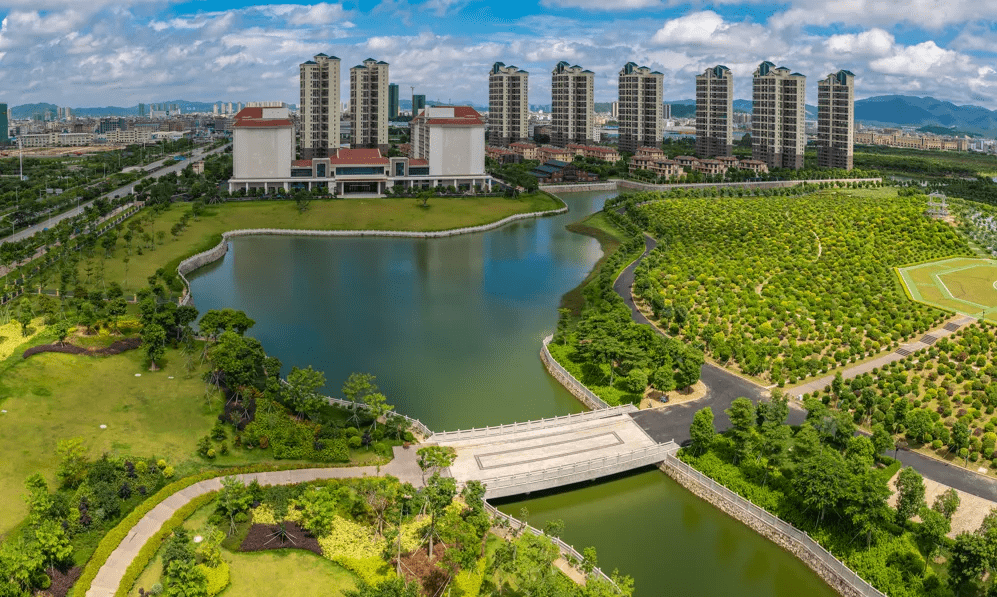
(951, 326)
(403, 466)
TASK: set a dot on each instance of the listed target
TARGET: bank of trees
(615, 357)
(788, 287)
(828, 482)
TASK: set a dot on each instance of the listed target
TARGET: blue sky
(121, 52)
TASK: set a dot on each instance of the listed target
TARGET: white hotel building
(448, 149)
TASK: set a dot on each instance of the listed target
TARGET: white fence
(577, 388)
(842, 572)
(548, 478)
(567, 551)
(537, 424)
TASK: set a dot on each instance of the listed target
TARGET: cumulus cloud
(602, 5)
(929, 14)
(120, 52)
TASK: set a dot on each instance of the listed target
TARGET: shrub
(355, 441)
(168, 472)
(218, 577)
(161, 464)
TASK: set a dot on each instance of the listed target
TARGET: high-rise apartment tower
(319, 107)
(369, 104)
(836, 120)
(778, 129)
(640, 107)
(572, 106)
(392, 101)
(418, 104)
(508, 104)
(714, 112)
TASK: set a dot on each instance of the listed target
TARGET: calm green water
(452, 329)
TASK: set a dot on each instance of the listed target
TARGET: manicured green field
(963, 285)
(51, 397)
(358, 214)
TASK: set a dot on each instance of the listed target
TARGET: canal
(452, 327)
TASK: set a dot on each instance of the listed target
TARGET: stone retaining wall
(844, 581)
(201, 259)
(577, 388)
(579, 188)
(615, 185)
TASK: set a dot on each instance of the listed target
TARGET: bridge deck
(530, 459)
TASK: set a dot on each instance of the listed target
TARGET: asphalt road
(49, 222)
(724, 387)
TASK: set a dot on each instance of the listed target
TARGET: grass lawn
(50, 397)
(331, 214)
(610, 237)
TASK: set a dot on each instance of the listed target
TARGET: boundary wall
(568, 380)
(620, 184)
(835, 573)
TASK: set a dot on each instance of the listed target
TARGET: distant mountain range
(884, 110)
(29, 110)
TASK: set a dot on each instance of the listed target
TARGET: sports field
(961, 284)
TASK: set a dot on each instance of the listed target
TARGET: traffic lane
(27, 232)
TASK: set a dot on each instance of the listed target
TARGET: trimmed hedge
(151, 546)
(116, 535)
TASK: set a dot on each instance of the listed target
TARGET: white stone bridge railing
(461, 434)
(568, 552)
(589, 470)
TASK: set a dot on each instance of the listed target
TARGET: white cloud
(602, 5)
(929, 14)
(318, 14)
(874, 42)
(922, 59)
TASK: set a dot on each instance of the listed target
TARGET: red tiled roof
(527, 145)
(262, 123)
(301, 163)
(418, 163)
(249, 113)
(455, 121)
(358, 157)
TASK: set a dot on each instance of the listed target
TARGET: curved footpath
(724, 387)
(403, 466)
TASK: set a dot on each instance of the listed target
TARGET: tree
(931, 532)
(861, 453)
(358, 385)
(433, 459)
(233, 498)
(969, 557)
(806, 443)
(237, 360)
(946, 503)
(184, 579)
(216, 321)
(919, 424)
(821, 481)
(881, 439)
(910, 494)
(318, 509)
(301, 390)
(689, 368)
(154, 340)
(742, 419)
(702, 430)
(866, 502)
(53, 542)
(439, 492)
(377, 406)
(380, 495)
(73, 462)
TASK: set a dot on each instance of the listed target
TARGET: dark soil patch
(117, 347)
(62, 581)
(417, 566)
(265, 536)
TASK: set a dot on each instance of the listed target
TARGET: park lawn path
(403, 466)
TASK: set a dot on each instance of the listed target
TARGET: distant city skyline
(123, 52)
